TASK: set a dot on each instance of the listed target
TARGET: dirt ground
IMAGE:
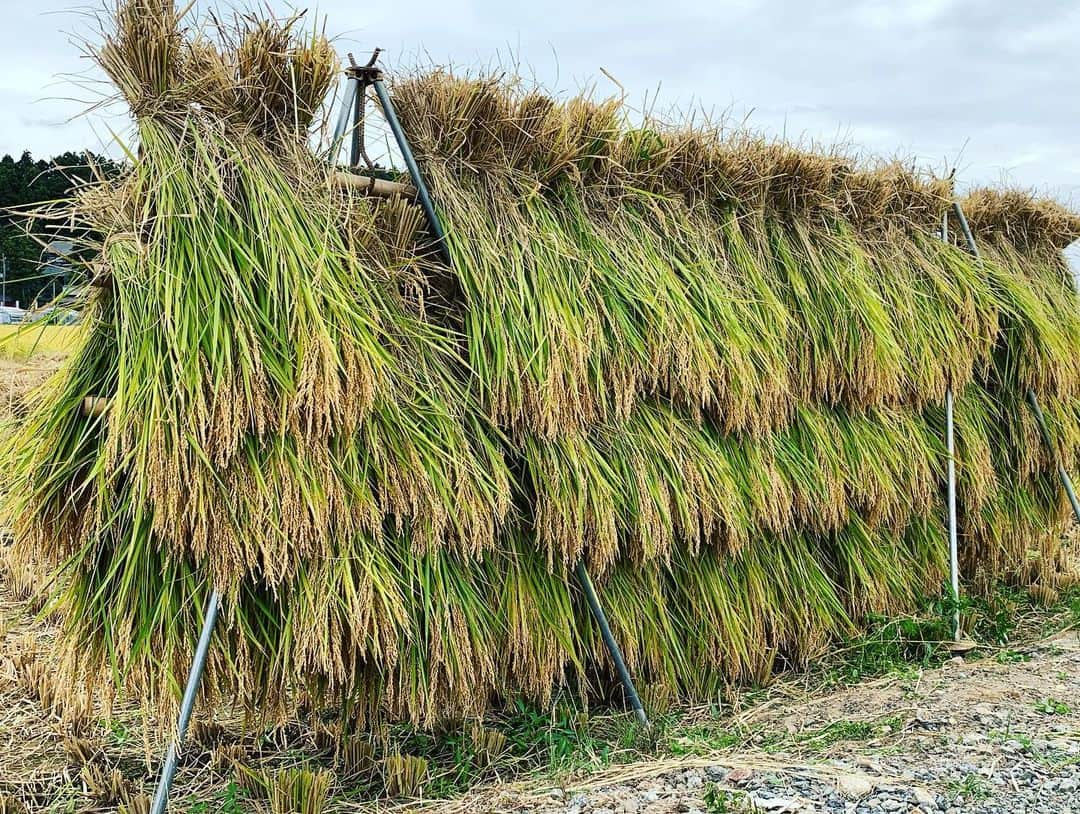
(19, 377)
(1001, 734)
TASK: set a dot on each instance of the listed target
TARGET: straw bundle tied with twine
(712, 366)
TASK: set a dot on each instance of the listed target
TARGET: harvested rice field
(37, 342)
(416, 475)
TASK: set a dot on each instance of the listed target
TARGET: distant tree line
(25, 182)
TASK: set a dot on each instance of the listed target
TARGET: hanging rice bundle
(710, 366)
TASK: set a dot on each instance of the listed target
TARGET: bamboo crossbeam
(375, 186)
(96, 405)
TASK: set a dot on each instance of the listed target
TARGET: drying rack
(359, 78)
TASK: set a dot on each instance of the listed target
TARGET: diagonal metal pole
(198, 664)
(950, 443)
(422, 196)
(348, 105)
(1032, 399)
(609, 642)
(1066, 481)
(373, 76)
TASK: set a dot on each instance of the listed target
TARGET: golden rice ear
(658, 698)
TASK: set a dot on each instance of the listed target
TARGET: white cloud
(982, 83)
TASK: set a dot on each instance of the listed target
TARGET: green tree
(24, 183)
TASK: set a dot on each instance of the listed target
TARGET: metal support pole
(968, 237)
(1066, 481)
(1033, 400)
(609, 642)
(954, 553)
(422, 195)
(950, 443)
(357, 115)
(198, 664)
(348, 102)
(374, 76)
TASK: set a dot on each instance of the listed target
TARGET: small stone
(854, 786)
(777, 804)
(631, 806)
(556, 794)
(923, 797)
(740, 774)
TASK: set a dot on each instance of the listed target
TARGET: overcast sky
(989, 86)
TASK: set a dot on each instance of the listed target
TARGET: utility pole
(3, 296)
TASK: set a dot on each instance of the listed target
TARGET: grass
(998, 618)
(840, 731)
(1051, 706)
(725, 801)
(229, 800)
(972, 788)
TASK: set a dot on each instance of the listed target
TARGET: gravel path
(969, 737)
